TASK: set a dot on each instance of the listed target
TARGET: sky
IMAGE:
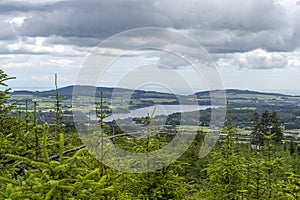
(254, 44)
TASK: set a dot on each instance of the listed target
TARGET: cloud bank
(241, 35)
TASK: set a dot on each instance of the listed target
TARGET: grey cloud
(92, 19)
(3, 48)
(270, 40)
(7, 6)
(171, 61)
(265, 62)
(77, 41)
(253, 15)
(7, 31)
(247, 15)
(296, 30)
(236, 25)
(256, 59)
(220, 26)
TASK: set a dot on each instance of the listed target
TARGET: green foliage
(69, 177)
(292, 188)
(58, 113)
(6, 122)
(165, 183)
(268, 124)
(4, 108)
(226, 171)
(42, 161)
(30, 168)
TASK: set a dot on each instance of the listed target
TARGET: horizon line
(288, 92)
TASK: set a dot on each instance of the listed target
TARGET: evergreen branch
(10, 161)
(56, 156)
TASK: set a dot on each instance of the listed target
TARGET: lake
(158, 110)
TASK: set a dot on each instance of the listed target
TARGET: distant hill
(107, 91)
(235, 91)
(242, 103)
(241, 92)
(68, 91)
(81, 90)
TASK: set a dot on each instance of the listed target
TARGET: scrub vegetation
(44, 158)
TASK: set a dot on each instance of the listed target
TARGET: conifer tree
(268, 124)
(5, 108)
(226, 176)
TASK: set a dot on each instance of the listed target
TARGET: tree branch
(54, 157)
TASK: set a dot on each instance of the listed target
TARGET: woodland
(49, 161)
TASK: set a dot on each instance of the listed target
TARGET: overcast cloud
(232, 25)
(260, 35)
(221, 26)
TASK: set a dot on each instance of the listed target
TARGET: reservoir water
(157, 110)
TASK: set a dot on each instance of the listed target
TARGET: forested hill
(236, 92)
(237, 98)
(242, 103)
(90, 91)
(67, 92)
